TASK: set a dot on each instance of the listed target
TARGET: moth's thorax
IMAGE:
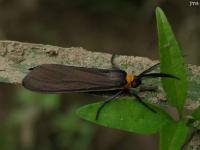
(129, 79)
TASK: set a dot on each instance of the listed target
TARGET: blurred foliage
(125, 7)
(38, 119)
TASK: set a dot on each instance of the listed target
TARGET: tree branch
(17, 57)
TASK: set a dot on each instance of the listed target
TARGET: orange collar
(129, 79)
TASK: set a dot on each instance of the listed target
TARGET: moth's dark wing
(61, 78)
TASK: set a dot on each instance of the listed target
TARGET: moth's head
(136, 82)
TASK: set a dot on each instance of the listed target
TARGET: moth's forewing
(61, 78)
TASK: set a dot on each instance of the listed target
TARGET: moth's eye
(136, 83)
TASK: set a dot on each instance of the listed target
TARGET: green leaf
(173, 135)
(126, 114)
(196, 113)
(171, 62)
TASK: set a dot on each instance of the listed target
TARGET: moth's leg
(114, 65)
(133, 93)
(106, 102)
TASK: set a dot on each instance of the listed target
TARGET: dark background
(31, 121)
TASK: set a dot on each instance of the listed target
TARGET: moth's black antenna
(155, 75)
(162, 75)
(146, 74)
(149, 69)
